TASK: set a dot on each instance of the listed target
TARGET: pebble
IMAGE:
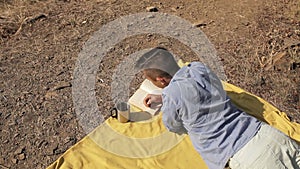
(151, 9)
(101, 80)
(19, 150)
(21, 156)
(200, 23)
(174, 9)
(150, 16)
(46, 88)
(163, 41)
(15, 161)
(16, 135)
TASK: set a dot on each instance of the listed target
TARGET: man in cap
(194, 102)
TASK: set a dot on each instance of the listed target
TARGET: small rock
(176, 34)
(46, 88)
(21, 156)
(21, 113)
(151, 9)
(150, 16)
(101, 80)
(15, 161)
(174, 9)
(200, 23)
(163, 41)
(149, 35)
(49, 57)
(16, 135)
(19, 150)
(246, 23)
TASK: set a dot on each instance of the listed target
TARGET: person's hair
(153, 73)
(158, 62)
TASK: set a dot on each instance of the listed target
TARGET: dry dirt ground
(257, 41)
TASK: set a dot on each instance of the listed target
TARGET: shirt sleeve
(171, 118)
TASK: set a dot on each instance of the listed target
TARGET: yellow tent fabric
(147, 144)
(262, 110)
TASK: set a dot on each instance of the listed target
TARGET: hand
(152, 98)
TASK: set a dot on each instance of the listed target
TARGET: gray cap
(158, 58)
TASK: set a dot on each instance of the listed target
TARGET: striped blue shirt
(195, 103)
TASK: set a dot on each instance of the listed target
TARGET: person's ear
(161, 80)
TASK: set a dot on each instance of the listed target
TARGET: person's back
(216, 127)
(195, 103)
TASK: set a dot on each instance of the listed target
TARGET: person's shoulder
(173, 89)
(197, 65)
(192, 69)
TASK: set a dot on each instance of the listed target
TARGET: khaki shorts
(268, 149)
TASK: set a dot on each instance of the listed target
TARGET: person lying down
(194, 102)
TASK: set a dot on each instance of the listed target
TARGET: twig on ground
(29, 20)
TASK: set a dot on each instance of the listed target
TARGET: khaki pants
(268, 149)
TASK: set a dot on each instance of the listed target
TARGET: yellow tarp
(147, 144)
